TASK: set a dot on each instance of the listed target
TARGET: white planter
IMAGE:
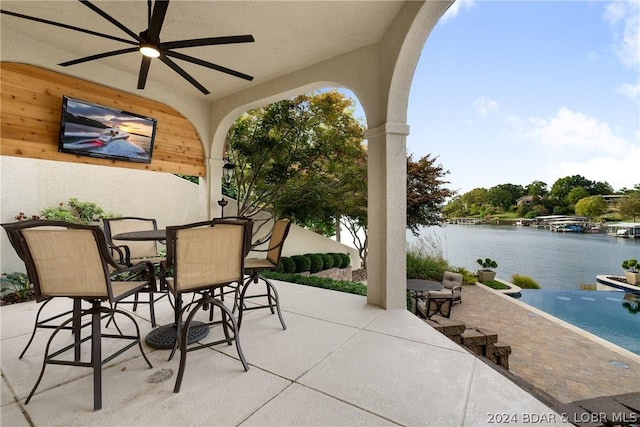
(486, 275)
(632, 278)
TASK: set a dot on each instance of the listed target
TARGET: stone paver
(546, 354)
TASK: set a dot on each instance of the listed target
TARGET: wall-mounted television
(89, 129)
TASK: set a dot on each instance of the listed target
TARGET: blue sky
(517, 91)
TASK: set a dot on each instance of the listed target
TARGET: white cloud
(484, 106)
(456, 7)
(624, 17)
(576, 134)
(630, 90)
(619, 172)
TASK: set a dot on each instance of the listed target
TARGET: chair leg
(96, 356)
(96, 312)
(152, 310)
(227, 316)
(273, 300)
(35, 327)
(46, 353)
(182, 336)
(276, 299)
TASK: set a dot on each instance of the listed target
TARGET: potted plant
(486, 274)
(633, 271)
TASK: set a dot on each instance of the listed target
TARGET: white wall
(29, 185)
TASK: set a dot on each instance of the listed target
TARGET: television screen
(89, 129)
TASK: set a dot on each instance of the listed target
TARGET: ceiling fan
(148, 43)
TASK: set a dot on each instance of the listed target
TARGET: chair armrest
(124, 255)
(136, 270)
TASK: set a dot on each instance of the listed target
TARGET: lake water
(553, 260)
(559, 263)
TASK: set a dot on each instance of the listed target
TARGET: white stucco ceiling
(290, 35)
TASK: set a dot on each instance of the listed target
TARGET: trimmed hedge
(303, 263)
(320, 282)
(327, 261)
(346, 260)
(316, 262)
(313, 263)
(337, 260)
(287, 265)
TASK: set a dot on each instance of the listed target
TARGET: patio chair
(129, 252)
(204, 256)
(453, 282)
(73, 261)
(435, 302)
(14, 238)
(256, 265)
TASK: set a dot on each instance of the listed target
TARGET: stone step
(478, 340)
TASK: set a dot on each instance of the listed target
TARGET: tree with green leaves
(537, 188)
(426, 192)
(629, 206)
(280, 148)
(504, 196)
(592, 207)
(576, 194)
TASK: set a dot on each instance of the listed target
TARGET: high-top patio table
(164, 337)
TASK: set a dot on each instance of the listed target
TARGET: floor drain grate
(617, 364)
(160, 376)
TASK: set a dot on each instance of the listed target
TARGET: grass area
(495, 284)
(505, 215)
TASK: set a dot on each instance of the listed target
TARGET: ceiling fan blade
(209, 65)
(99, 56)
(149, 7)
(144, 70)
(210, 41)
(111, 19)
(69, 27)
(159, 12)
(184, 74)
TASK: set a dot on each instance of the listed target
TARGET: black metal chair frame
(124, 258)
(207, 299)
(273, 300)
(97, 310)
(439, 304)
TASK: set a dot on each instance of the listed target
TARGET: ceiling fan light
(149, 50)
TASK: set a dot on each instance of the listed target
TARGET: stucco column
(387, 215)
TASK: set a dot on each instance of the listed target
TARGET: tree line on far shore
(568, 196)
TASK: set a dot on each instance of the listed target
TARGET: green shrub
(288, 265)
(524, 282)
(419, 267)
(320, 282)
(78, 212)
(303, 263)
(316, 262)
(346, 260)
(337, 260)
(327, 261)
(18, 283)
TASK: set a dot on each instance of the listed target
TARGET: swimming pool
(611, 315)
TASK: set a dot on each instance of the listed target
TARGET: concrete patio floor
(340, 362)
